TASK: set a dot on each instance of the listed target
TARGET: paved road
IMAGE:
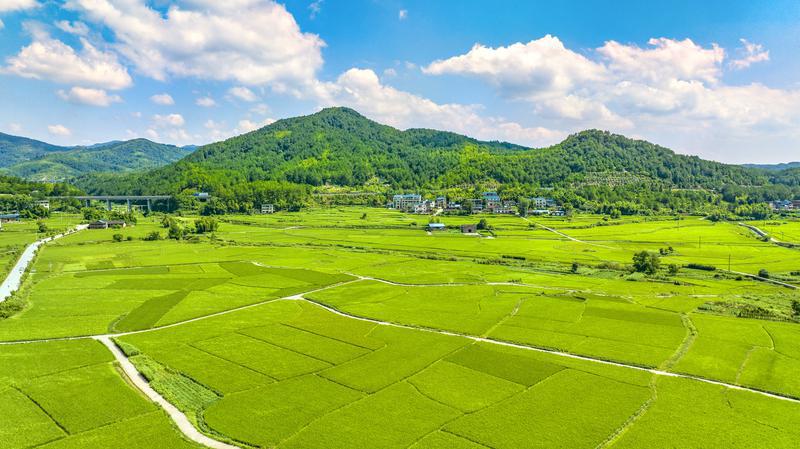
(14, 278)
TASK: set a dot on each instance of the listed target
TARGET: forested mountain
(339, 146)
(31, 159)
(14, 149)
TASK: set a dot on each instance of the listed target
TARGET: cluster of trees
(179, 230)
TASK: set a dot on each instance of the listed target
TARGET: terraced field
(323, 329)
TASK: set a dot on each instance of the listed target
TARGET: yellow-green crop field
(357, 328)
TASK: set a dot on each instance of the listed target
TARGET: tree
(795, 307)
(206, 224)
(673, 269)
(483, 224)
(575, 267)
(646, 262)
(176, 231)
(763, 273)
(42, 226)
(117, 237)
(154, 235)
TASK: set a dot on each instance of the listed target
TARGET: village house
(491, 201)
(436, 227)
(406, 202)
(475, 203)
(267, 208)
(441, 202)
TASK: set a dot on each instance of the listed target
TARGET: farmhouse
(491, 200)
(475, 203)
(441, 202)
(267, 208)
(541, 202)
(469, 228)
(99, 224)
(407, 202)
(436, 226)
(116, 224)
(9, 217)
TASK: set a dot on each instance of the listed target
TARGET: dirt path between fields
(183, 423)
(568, 237)
(13, 280)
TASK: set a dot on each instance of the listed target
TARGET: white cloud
(50, 59)
(15, 127)
(402, 14)
(260, 109)
(206, 102)
(2, 25)
(243, 94)
(315, 7)
(362, 90)
(89, 96)
(78, 28)
(390, 72)
(667, 88)
(667, 59)
(17, 5)
(168, 121)
(248, 41)
(750, 54)
(152, 134)
(163, 99)
(246, 125)
(540, 67)
(59, 130)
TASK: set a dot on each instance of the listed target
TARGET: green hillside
(34, 160)
(338, 146)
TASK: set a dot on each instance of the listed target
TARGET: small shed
(469, 228)
(436, 226)
(116, 224)
(9, 217)
(99, 224)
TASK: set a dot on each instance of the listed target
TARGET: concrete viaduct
(109, 199)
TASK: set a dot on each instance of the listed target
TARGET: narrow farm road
(568, 237)
(180, 419)
(14, 279)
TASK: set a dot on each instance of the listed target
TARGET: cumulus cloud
(17, 5)
(89, 96)
(362, 90)
(206, 102)
(210, 39)
(163, 99)
(243, 93)
(50, 59)
(668, 87)
(59, 130)
(402, 14)
(168, 120)
(15, 127)
(77, 28)
(750, 54)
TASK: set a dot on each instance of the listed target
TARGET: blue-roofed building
(491, 201)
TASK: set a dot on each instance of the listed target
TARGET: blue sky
(716, 79)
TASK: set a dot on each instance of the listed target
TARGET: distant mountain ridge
(774, 167)
(339, 146)
(39, 161)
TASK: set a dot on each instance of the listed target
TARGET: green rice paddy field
(331, 329)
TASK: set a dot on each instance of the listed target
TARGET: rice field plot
(606, 327)
(68, 394)
(126, 292)
(431, 390)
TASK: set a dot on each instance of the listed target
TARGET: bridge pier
(148, 206)
(129, 205)
(108, 204)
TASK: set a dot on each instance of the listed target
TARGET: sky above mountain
(719, 79)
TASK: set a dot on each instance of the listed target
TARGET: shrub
(483, 224)
(795, 307)
(763, 273)
(699, 266)
(673, 269)
(646, 262)
(42, 226)
(206, 224)
(155, 235)
(117, 237)
(575, 267)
